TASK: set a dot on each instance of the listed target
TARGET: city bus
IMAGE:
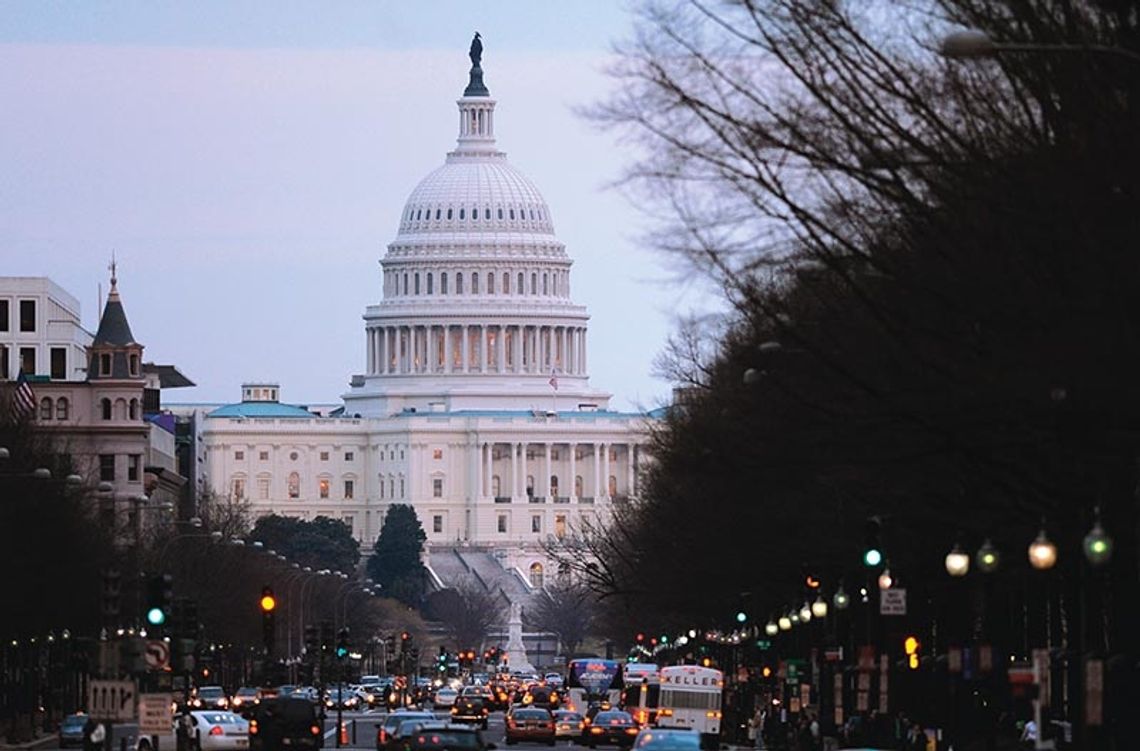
(593, 680)
(642, 689)
(690, 698)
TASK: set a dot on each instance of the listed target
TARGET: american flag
(24, 399)
(553, 380)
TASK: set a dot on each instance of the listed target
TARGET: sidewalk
(43, 740)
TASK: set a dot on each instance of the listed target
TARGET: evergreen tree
(395, 563)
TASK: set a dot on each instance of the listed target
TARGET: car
(612, 726)
(286, 721)
(218, 731)
(470, 709)
(445, 697)
(568, 724)
(541, 696)
(209, 697)
(408, 728)
(534, 724)
(387, 729)
(245, 698)
(553, 679)
(447, 738)
(307, 692)
(663, 739)
(373, 693)
(342, 698)
(71, 730)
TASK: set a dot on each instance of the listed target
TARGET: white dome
(476, 193)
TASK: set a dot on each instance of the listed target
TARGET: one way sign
(111, 700)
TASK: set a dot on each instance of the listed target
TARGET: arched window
(512, 214)
(519, 290)
(530, 486)
(61, 408)
(554, 485)
(437, 215)
(459, 283)
(381, 486)
(134, 409)
(495, 485)
(487, 213)
(134, 365)
(500, 212)
(536, 575)
(611, 486)
(533, 283)
(46, 410)
(506, 283)
(417, 282)
(443, 283)
(578, 485)
(105, 408)
(405, 284)
(545, 284)
(294, 485)
(462, 213)
(449, 213)
(475, 283)
(474, 213)
(490, 283)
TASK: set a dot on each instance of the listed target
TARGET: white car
(445, 697)
(219, 731)
(553, 679)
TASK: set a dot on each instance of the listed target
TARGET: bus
(642, 690)
(691, 698)
(593, 680)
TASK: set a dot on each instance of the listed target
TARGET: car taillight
(596, 730)
(315, 730)
(664, 712)
(631, 731)
(712, 715)
(253, 727)
(381, 736)
(217, 730)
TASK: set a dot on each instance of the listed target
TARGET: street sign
(156, 717)
(111, 700)
(157, 654)
(892, 601)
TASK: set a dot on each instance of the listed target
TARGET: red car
(530, 724)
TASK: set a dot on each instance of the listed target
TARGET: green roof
(260, 409)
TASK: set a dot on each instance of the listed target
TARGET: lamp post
(972, 44)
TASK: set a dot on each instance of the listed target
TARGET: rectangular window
(107, 467)
(349, 521)
(554, 455)
(4, 324)
(437, 487)
(239, 456)
(324, 456)
(105, 364)
(348, 489)
(134, 461)
(58, 363)
(536, 524)
(28, 360)
(437, 524)
(263, 488)
(401, 487)
(239, 489)
(381, 487)
(560, 526)
(323, 485)
(503, 523)
(348, 456)
(27, 315)
(4, 363)
(263, 456)
(437, 454)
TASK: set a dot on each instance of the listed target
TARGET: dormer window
(105, 364)
(134, 360)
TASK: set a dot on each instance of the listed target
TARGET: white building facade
(475, 405)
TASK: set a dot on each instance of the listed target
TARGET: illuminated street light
(1097, 544)
(1042, 552)
(885, 580)
(841, 599)
(957, 562)
(988, 558)
(771, 628)
(785, 623)
(819, 607)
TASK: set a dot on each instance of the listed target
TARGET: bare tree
(566, 608)
(468, 611)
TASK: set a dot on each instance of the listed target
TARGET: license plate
(242, 742)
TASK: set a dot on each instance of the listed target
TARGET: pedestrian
(756, 727)
(1029, 734)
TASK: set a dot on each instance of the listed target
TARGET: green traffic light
(155, 616)
(872, 557)
(741, 617)
(341, 651)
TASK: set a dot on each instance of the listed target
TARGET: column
(466, 348)
(490, 467)
(522, 469)
(546, 475)
(447, 349)
(629, 469)
(370, 341)
(478, 471)
(597, 470)
(514, 486)
(606, 469)
(501, 344)
(483, 359)
(585, 363)
(573, 469)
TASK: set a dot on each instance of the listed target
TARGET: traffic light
(640, 638)
(111, 596)
(911, 646)
(766, 672)
(312, 639)
(872, 544)
(405, 641)
(811, 580)
(159, 599)
(342, 643)
(268, 605)
(441, 661)
(327, 636)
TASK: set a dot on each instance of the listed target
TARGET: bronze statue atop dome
(475, 85)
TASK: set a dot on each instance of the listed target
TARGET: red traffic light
(404, 636)
(640, 637)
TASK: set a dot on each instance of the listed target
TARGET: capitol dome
(476, 310)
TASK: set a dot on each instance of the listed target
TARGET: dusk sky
(247, 163)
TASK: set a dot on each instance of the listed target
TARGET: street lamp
(819, 607)
(987, 558)
(771, 628)
(841, 599)
(957, 562)
(785, 623)
(805, 612)
(1042, 552)
(972, 44)
(885, 580)
(1097, 544)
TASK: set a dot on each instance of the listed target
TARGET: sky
(247, 162)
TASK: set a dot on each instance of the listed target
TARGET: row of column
(599, 461)
(475, 348)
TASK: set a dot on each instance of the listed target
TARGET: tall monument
(516, 651)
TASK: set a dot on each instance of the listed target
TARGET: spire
(475, 86)
(113, 327)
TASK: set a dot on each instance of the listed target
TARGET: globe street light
(987, 558)
(805, 612)
(819, 607)
(771, 628)
(885, 580)
(785, 623)
(841, 599)
(957, 562)
(1098, 545)
(1042, 552)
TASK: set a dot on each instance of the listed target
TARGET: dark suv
(470, 709)
(286, 721)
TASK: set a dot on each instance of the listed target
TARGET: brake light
(253, 727)
(631, 731)
(664, 712)
(217, 730)
(381, 736)
(713, 715)
(596, 730)
(315, 730)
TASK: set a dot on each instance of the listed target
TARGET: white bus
(691, 698)
(642, 688)
(593, 680)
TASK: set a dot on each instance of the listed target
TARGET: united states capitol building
(476, 406)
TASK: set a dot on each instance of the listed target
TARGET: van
(291, 722)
